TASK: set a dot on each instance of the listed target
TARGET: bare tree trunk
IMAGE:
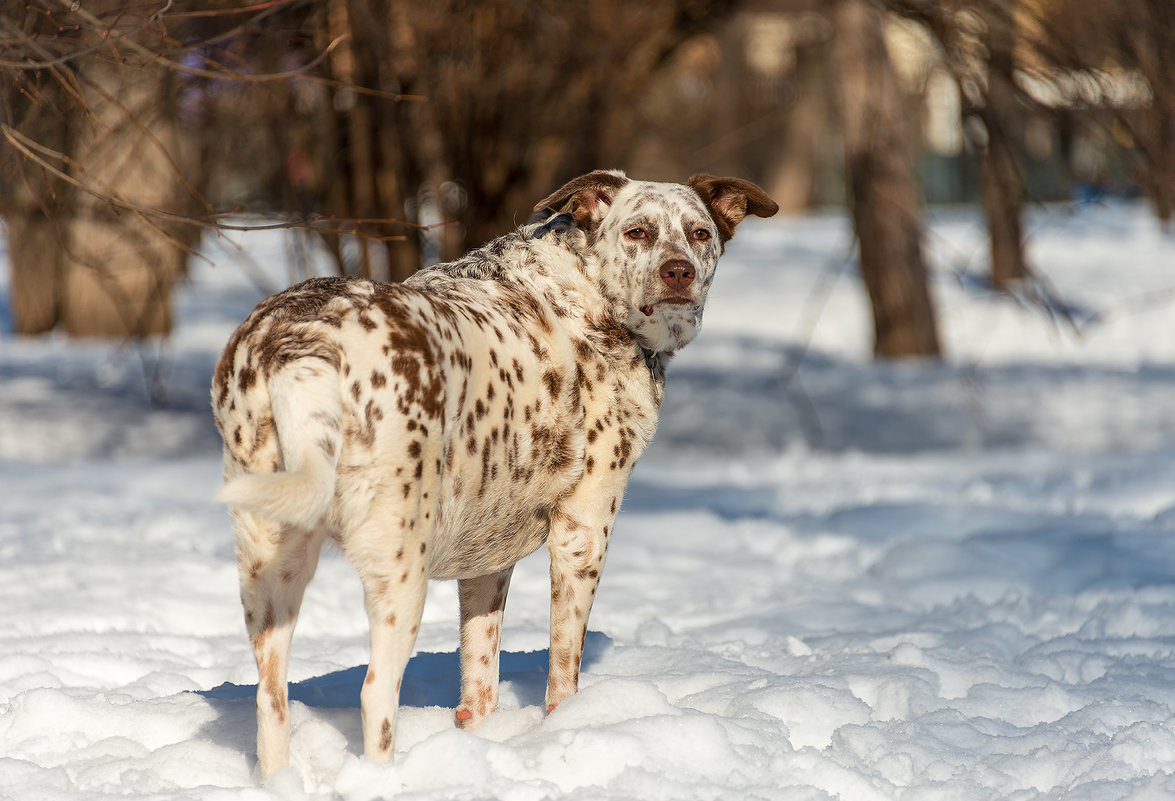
(1151, 43)
(34, 219)
(87, 254)
(884, 192)
(371, 182)
(1160, 183)
(121, 265)
(1001, 181)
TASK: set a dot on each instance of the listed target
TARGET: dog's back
(465, 393)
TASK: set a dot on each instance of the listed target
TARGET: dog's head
(652, 247)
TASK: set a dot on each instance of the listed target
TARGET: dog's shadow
(430, 680)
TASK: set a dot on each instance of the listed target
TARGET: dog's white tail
(307, 414)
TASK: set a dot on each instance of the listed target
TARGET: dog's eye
(636, 233)
(702, 235)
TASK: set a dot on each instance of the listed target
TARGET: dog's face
(656, 245)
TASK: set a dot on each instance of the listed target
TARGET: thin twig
(317, 223)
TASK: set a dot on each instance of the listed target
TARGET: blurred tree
(1002, 117)
(87, 145)
(883, 186)
(1098, 41)
(506, 99)
(978, 39)
(520, 95)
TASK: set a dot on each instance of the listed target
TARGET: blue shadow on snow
(431, 679)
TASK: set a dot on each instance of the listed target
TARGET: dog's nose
(677, 274)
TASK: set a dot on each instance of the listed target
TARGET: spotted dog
(447, 427)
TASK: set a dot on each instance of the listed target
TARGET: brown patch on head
(587, 197)
(730, 200)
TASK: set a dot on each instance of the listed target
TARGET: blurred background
(397, 133)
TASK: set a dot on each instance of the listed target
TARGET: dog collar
(651, 360)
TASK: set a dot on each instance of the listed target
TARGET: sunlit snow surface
(830, 578)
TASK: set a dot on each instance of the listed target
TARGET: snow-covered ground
(830, 578)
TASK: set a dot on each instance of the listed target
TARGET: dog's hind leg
(483, 600)
(389, 552)
(276, 563)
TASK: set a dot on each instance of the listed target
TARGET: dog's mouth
(677, 300)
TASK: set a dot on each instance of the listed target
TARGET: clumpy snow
(831, 579)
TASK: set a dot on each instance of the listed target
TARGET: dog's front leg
(483, 600)
(577, 558)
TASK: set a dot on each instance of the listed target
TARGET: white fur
(307, 414)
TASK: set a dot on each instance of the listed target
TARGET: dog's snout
(677, 274)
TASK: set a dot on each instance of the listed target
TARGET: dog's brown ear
(730, 200)
(587, 197)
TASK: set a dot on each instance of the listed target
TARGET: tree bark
(883, 188)
(33, 213)
(87, 260)
(1151, 44)
(1002, 184)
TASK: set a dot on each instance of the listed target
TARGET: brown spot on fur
(378, 380)
(553, 382)
(246, 379)
(268, 671)
(385, 735)
(414, 358)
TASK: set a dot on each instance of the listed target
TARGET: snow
(831, 579)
